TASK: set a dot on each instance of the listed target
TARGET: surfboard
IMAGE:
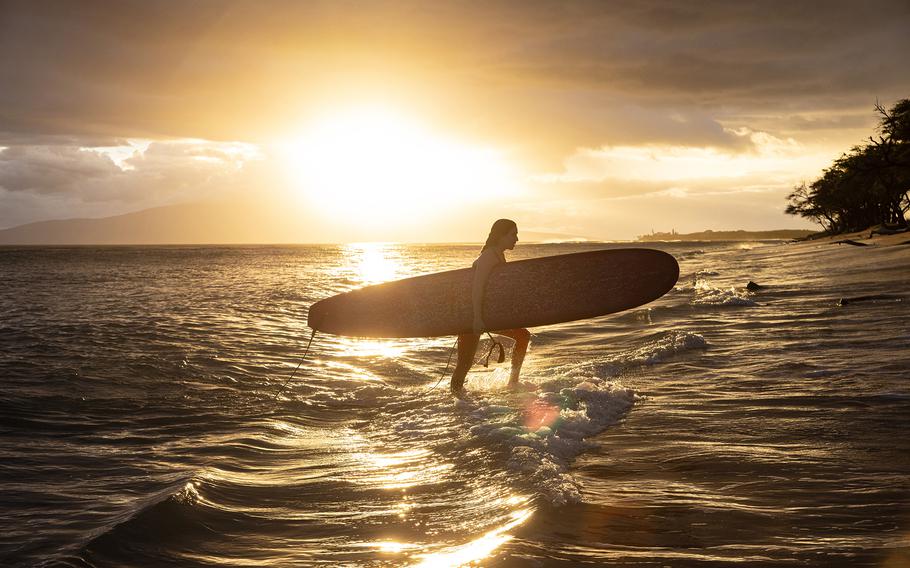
(523, 293)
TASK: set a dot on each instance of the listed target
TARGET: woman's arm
(482, 269)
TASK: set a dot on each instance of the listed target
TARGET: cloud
(680, 208)
(610, 100)
(39, 182)
(51, 169)
(650, 168)
(240, 70)
(621, 191)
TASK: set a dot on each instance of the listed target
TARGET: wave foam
(708, 295)
(689, 254)
(548, 429)
(665, 348)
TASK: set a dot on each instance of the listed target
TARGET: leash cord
(310, 342)
(446, 370)
(307, 350)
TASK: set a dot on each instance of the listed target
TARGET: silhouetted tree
(867, 186)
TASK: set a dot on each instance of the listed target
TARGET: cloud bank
(580, 93)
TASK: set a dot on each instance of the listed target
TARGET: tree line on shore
(869, 185)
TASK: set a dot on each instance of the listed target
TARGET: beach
(142, 423)
(866, 237)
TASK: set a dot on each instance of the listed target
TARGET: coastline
(863, 238)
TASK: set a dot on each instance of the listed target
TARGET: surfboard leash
(444, 372)
(494, 345)
(305, 351)
(441, 377)
(500, 358)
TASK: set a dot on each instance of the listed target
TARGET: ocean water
(141, 422)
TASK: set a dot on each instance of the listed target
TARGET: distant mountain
(740, 235)
(228, 223)
(545, 237)
(198, 223)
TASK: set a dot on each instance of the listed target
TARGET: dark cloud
(46, 181)
(31, 139)
(238, 70)
(51, 169)
(768, 54)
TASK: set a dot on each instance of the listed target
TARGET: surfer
(503, 236)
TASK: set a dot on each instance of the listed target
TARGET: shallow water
(139, 424)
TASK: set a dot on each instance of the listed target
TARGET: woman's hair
(499, 229)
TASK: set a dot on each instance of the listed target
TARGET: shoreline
(862, 238)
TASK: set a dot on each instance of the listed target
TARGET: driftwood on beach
(872, 298)
(886, 230)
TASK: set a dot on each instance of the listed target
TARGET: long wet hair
(499, 229)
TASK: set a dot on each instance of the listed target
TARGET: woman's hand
(479, 327)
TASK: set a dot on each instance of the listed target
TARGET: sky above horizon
(426, 121)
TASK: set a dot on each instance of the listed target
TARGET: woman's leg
(467, 347)
(522, 338)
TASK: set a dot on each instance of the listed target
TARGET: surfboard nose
(316, 315)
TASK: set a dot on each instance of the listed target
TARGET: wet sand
(864, 237)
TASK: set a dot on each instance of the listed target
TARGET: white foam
(708, 295)
(665, 347)
(689, 254)
(546, 430)
(541, 431)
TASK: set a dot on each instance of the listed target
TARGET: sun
(371, 165)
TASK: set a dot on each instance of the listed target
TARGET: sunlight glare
(373, 262)
(479, 548)
(366, 264)
(372, 165)
(393, 546)
(401, 470)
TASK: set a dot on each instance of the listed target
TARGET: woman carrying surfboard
(503, 236)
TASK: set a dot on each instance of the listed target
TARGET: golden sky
(424, 121)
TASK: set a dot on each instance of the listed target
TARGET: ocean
(143, 421)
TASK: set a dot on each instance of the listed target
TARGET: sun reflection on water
(398, 472)
(393, 546)
(477, 549)
(396, 459)
(366, 264)
(401, 470)
(373, 263)
(356, 347)
(470, 553)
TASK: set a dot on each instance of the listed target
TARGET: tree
(869, 185)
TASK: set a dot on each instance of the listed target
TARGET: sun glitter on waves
(372, 263)
(373, 165)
